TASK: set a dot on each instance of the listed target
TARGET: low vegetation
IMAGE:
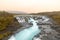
(8, 24)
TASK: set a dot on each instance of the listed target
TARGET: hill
(8, 24)
(54, 15)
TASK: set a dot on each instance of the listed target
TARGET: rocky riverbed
(48, 31)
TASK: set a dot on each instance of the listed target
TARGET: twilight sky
(30, 6)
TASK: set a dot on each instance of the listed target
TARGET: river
(28, 33)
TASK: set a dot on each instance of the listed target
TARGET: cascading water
(28, 33)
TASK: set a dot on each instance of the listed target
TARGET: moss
(56, 18)
(1, 36)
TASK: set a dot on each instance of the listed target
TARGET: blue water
(28, 33)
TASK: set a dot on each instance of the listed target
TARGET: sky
(30, 6)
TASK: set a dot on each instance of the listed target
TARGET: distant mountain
(17, 12)
(47, 13)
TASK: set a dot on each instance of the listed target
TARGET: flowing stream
(28, 33)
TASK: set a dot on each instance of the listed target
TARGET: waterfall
(28, 33)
